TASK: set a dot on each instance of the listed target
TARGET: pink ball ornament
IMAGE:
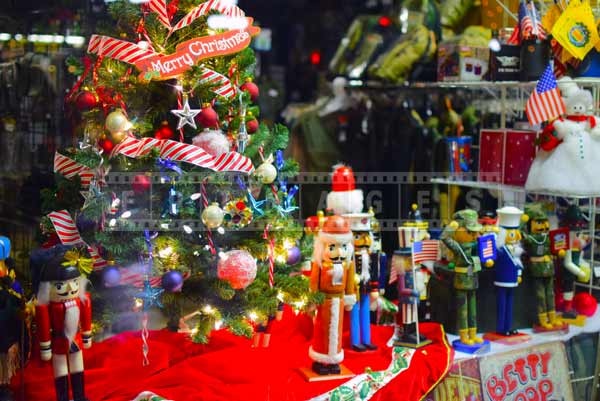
(238, 268)
(585, 304)
(213, 141)
(141, 184)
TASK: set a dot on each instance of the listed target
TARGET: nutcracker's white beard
(71, 322)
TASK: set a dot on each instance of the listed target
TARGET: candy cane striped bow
(183, 152)
(222, 6)
(69, 168)
(69, 235)
(223, 86)
(160, 8)
(117, 49)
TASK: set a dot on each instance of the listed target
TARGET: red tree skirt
(229, 369)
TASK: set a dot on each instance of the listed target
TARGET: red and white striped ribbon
(222, 6)
(182, 152)
(117, 49)
(211, 243)
(160, 9)
(222, 85)
(67, 232)
(69, 168)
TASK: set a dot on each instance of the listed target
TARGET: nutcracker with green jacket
(540, 264)
(460, 237)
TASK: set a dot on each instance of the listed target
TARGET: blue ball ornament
(172, 281)
(111, 276)
(294, 256)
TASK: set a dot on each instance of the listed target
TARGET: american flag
(487, 247)
(545, 102)
(426, 250)
(530, 21)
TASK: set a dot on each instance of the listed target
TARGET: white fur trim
(338, 238)
(71, 321)
(326, 359)
(334, 339)
(345, 202)
(365, 267)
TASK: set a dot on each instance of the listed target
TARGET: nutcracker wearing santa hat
(344, 197)
(64, 322)
(332, 274)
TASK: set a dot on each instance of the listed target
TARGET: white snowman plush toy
(572, 166)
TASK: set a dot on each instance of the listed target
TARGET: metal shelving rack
(508, 92)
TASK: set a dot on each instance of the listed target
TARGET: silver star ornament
(186, 115)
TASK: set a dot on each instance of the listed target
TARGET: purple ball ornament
(111, 276)
(172, 281)
(294, 256)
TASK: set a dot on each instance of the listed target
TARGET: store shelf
(474, 85)
(508, 188)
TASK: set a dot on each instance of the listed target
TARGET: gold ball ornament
(213, 215)
(266, 173)
(117, 137)
(116, 121)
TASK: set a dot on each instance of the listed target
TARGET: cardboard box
(505, 156)
(462, 63)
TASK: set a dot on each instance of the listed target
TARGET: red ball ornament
(85, 101)
(251, 88)
(106, 145)
(164, 131)
(252, 126)
(208, 117)
(141, 184)
(585, 304)
(238, 268)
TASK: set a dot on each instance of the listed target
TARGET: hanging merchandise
(186, 114)
(251, 88)
(172, 281)
(86, 101)
(208, 117)
(164, 131)
(266, 172)
(213, 216)
(576, 28)
(117, 121)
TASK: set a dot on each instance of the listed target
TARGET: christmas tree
(183, 190)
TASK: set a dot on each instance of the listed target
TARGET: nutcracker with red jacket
(574, 266)
(64, 321)
(332, 274)
(346, 200)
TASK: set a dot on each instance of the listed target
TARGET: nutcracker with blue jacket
(508, 267)
(11, 314)
(461, 238)
(574, 266)
(370, 280)
(64, 320)
(409, 296)
(540, 265)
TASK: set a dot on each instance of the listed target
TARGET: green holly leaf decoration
(346, 393)
(365, 387)
(400, 363)
(335, 395)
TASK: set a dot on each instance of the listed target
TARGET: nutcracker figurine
(11, 313)
(541, 266)
(508, 267)
(370, 278)
(64, 321)
(332, 274)
(575, 268)
(409, 296)
(461, 239)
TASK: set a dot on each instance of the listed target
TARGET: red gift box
(505, 156)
